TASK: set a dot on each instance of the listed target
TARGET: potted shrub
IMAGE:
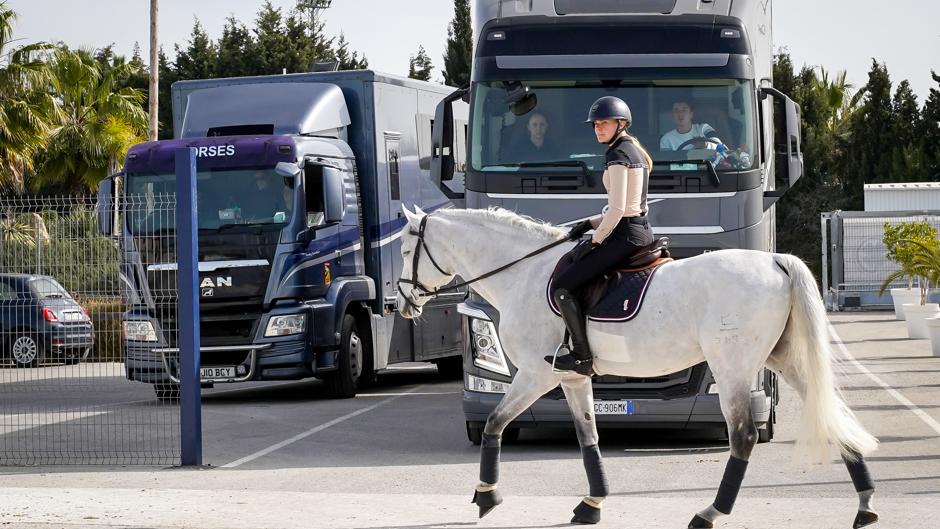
(902, 253)
(926, 265)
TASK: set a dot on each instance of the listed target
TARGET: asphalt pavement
(284, 455)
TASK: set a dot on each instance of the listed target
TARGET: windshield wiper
(561, 163)
(54, 296)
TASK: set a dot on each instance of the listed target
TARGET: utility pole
(154, 72)
(313, 8)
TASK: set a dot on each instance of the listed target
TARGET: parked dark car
(40, 322)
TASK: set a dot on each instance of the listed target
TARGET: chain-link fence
(855, 262)
(65, 393)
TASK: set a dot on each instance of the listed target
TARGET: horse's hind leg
(857, 467)
(524, 390)
(742, 434)
(578, 392)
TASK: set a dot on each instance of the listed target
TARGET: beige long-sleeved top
(626, 181)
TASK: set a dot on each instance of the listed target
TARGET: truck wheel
(167, 392)
(25, 351)
(342, 383)
(450, 367)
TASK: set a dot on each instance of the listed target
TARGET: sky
(835, 34)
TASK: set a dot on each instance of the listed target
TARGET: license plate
(208, 373)
(616, 407)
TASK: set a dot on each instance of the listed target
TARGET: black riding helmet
(610, 107)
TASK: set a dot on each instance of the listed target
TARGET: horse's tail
(805, 355)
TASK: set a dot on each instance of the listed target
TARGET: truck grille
(673, 386)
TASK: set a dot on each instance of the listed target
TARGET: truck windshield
(225, 198)
(675, 120)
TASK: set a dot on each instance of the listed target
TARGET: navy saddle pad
(615, 296)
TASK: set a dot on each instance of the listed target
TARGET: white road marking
(930, 421)
(308, 433)
(10, 423)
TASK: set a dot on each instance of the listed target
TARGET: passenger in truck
(688, 134)
(534, 143)
(266, 200)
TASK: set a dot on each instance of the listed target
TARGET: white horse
(739, 310)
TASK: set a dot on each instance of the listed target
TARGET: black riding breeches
(631, 234)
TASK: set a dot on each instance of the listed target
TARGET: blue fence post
(187, 255)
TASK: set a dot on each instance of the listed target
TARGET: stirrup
(566, 347)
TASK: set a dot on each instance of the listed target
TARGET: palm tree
(27, 110)
(99, 121)
(840, 100)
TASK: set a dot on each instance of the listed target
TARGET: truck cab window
(313, 195)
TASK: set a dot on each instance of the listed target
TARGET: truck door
(403, 340)
(393, 168)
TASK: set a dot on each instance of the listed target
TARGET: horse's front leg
(580, 397)
(525, 389)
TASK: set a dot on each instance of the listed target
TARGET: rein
(428, 293)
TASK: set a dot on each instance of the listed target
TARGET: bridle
(429, 293)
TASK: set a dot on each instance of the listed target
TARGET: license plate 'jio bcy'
(206, 373)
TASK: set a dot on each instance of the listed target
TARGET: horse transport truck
(300, 182)
(537, 67)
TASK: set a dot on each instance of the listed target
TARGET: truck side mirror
(442, 143)
(105, 206)
(788, 154)
(334, 195)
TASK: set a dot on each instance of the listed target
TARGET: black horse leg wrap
(489, 458)
(594, 468)
(730, 485)
(858, 470)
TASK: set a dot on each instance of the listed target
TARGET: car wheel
(25, 351)
(343, 383)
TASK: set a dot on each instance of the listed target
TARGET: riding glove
(579, 229)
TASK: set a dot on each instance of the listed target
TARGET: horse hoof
(586, 514)
(864, 519)
(700, 523)
(487, 501)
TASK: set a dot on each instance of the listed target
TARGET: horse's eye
(406, 253)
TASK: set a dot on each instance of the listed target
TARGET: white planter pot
(916, 316)
(900, 296)
(933, 328)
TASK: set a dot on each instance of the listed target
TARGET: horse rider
(619, 231)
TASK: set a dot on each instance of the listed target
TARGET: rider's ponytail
(646, 154)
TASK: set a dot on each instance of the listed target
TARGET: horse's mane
(533, 227)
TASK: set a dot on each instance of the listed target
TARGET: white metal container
(914, 196)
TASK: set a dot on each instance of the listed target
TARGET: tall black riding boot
(580, 360)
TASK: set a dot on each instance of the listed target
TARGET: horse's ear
(413, 218)
(419, 212)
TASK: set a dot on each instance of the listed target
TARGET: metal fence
(855, 262)
(64, 393)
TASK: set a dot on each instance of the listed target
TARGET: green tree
(420, 66)
(908, 162)
(197, 60)
(27, 108)
(235, 51)
(272, 47)
(99, 122)
(930, 130)
(869, 156)
(347, 60)
(168, 76)
(458, 57)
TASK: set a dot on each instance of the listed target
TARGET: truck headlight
(139, 331)
(486, 351)
(285, 325)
